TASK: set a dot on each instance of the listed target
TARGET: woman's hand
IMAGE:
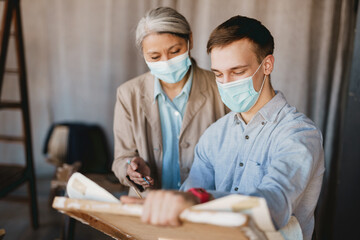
(138, 170)
(163, 207)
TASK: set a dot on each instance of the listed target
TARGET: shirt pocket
(253, 174)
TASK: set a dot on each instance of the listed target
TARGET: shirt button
(236, 188)
(176, 113)
(247, 137)
(241, 164)
(262, 123)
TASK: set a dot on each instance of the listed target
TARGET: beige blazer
(137, 130)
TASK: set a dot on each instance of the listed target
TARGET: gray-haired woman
(160, 115)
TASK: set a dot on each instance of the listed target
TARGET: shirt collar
(186, 89)
(158, 89)
(271, 109)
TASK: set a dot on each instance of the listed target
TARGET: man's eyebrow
(239, 66)
(233, 68)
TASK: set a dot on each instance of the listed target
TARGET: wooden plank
(117, 223)
(129, 227)
(98, 224)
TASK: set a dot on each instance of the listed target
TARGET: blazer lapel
(196, 98)
(151, 112)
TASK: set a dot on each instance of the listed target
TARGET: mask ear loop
(188, 51)
(188, 47)
(258, 67)
(262, 85)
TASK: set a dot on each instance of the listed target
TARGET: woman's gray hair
(162, 20)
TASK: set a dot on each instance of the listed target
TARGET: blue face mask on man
(240, 95)
(172, 70)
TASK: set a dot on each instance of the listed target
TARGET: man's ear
(268, 64)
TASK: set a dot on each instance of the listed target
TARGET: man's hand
(163, 207)
(137, 170)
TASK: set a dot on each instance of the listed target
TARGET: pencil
(137, 192)
(146, 180)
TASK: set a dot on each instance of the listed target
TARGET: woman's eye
(154, 58)
(219, 75)
(175, 52)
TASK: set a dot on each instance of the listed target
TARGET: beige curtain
(79, 51)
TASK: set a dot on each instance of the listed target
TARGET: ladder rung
(19, 199)
(9, 104)
(11, 71)
(4, 138)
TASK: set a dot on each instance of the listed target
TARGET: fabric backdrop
(79, 51)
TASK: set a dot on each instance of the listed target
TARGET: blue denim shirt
(171, 116)
(278, 155)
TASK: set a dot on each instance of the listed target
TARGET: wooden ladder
(14, 175)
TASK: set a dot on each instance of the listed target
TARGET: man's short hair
(240, 27)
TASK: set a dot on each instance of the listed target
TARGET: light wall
(79, 51)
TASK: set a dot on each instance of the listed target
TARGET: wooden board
(130, 227)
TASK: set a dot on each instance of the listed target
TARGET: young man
(264, 147)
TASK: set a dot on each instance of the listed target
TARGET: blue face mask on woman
(240, 95)
(172, 70)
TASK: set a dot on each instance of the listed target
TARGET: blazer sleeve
(124, 141)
